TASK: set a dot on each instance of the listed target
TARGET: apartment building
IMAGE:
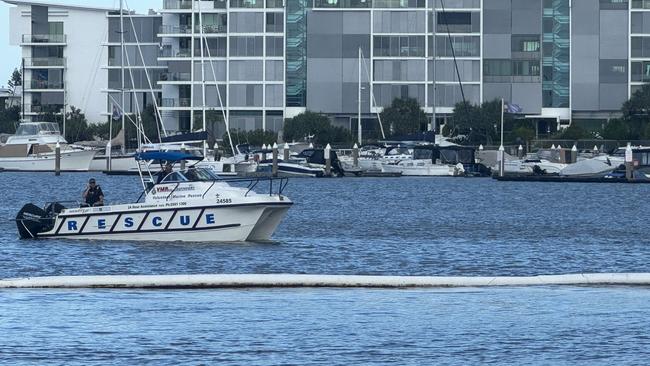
(256, 62)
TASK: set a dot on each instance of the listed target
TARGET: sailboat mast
(359, 103)
(433, 66)
(122, 71)
(201, 44)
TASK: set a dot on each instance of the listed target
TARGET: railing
(343, 4)
(176, 76)
(47, 108)
(175, 29)
(45, 84)
(44, 38)
(213, 28)
(44, 61)
(173, 103)
(169, 52)
(177, 4)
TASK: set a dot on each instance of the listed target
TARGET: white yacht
(532, 166)
(193, 205)
(32, 148)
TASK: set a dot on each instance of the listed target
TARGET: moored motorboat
(33, 146)
(193, 205)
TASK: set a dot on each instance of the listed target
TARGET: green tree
(255, 138)
(9, 118)
(574, 132)
(617, 129)
(15, 80)
(307, 124)
(404, 117)
(636, 113)
(76, 126)
(477, 123)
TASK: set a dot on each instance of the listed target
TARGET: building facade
(256, 62)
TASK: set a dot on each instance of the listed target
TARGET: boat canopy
(170, 156)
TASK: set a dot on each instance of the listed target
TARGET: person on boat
(93, 194)
(191, 175)
(164, 172)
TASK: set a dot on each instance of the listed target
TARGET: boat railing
(276, 186)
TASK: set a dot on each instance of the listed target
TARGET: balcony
(177, 4)
(175, 29)
(41, 109)
(343, 4)
(211, 29)
(175, 76)
(169, 52)
(44, 62)
(46, 85)
(176, 103)
(44, 39)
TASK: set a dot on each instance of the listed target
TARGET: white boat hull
(124, 163)
(427, 170)
(73, 161)
(225, 223)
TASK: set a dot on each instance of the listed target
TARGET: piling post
(311, 145)
(275, 160)
(183, 152)
(520, 152)
(596, 152)
(561, 154)
(355, 155)
(629, 162)
(57, 161)
(328, 160)
(264, 147)
(286, 152)
(502, 163)
(574, 154)
(215, 151)
(108, 154)
(480, 147)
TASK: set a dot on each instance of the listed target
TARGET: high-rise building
(561, 61)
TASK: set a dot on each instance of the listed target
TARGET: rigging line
(372, 95)
(134, 97)
(453, 53)
(214, 75)
(96, 67)
(146, 72)
(116, 104)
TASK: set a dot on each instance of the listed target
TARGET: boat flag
(116, 113)
(513, 108)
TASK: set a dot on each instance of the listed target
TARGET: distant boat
(33, 146)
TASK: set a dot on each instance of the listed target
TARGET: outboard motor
(32, 220)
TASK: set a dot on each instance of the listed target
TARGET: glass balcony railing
(44, 62)
(45, 108)
(212, 28)
(176, 102)
(176, 76)
(343, 4)
(175, 29)
(177, 4)
(46, 84)
(169, 52)
(44, 38)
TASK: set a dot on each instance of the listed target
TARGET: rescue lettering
(72, 225)
(128, 222)
(101, 224)
(209, 218)
(157, 221)
(185, 220)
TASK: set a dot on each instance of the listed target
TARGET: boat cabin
(191, 175)
(42, 133)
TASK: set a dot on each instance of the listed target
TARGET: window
(274, 22)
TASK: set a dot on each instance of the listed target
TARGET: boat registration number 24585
(142, 221)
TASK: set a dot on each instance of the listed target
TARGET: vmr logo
(163, 189)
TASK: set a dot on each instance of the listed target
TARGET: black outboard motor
(32, 220)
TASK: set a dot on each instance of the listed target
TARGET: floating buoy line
(217, 281)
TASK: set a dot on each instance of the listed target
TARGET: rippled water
(402, 226)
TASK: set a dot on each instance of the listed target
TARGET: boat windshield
(31, 129)
(191, 175)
